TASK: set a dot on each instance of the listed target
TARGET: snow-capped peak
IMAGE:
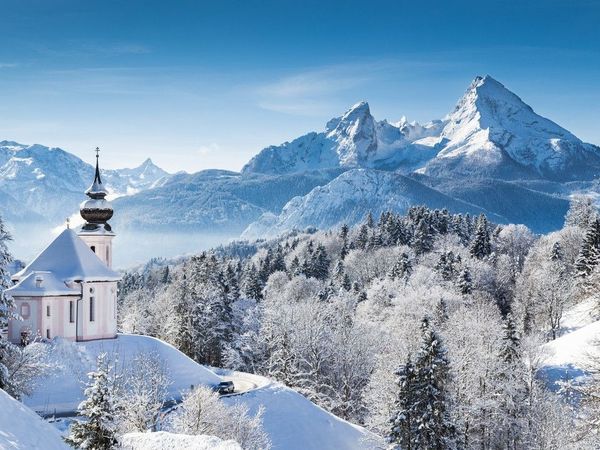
(355, 135)
(491, 129)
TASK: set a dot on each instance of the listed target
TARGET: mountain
(491, 154)
(214, 201)
(41, 182)
(492, 132)
(352, 140)
(350, 196)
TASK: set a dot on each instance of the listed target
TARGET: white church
(70, 289)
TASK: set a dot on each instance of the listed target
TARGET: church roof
(41, 284)
(69, 259)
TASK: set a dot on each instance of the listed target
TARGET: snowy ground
(21, 428)
(578, 342)
(292, 421)
(63, 390)
(163, 440)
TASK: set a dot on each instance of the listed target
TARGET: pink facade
(73, 317)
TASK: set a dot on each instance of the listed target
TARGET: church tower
(97, 211)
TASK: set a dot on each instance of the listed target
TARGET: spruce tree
(252, 284)
(510, 340)
(465, 282)
(481, 245)
(589, 254)
(404, 429)
(98, 430)
(423, 238)
(434, 429)
(402, 268)
(363, 237)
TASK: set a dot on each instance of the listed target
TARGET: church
(69, 289)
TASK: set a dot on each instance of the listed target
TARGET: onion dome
(96, 211)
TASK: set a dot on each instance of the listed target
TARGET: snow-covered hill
(38, 181)
(347, 198)
(291, 421)
(22, 429)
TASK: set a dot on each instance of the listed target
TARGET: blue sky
(197, 85)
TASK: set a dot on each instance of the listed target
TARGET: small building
(69, 289)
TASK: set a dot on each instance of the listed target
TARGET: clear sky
(196, 84)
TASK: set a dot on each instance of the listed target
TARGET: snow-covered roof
(41, 284)
(69, 258)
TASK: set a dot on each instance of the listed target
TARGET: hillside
(22, 429)
(308, 426)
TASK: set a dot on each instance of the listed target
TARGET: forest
(427, 328)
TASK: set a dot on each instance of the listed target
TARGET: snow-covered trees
(98, 430)
(334, 314)
(142, 394)
(582, 211)
(202, 412)
(6, 303)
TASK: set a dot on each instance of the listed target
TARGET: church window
(92, 309)
(71, 312)
(25, 311)
(48, 333)
(93, 247)
(47, 310)
(106, 255)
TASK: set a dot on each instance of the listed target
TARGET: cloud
(8, 65)
(314, 91)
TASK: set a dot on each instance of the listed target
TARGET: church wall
(102, 244)
(104, 324)
(38, 321)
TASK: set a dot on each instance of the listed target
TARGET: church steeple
(96, 190)
(96, 211)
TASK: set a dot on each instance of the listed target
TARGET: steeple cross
(97, 151)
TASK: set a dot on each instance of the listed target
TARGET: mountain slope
(215, 201)
(492, 132)
(352, 140)
(349, 197)
(39, 181)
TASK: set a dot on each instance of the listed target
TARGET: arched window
(107, 256)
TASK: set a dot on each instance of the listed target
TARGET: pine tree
(465, 282)
(589, 254)
(404, 421)
(98, 430)
(557, 252)
(481, 245)
(423, 238)
(320, 263)
(363, 237)
(441, 312)
(510, 340)
(369, 221)
(434, 429)
(252, 284)
(344, 237)
(402, 268)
